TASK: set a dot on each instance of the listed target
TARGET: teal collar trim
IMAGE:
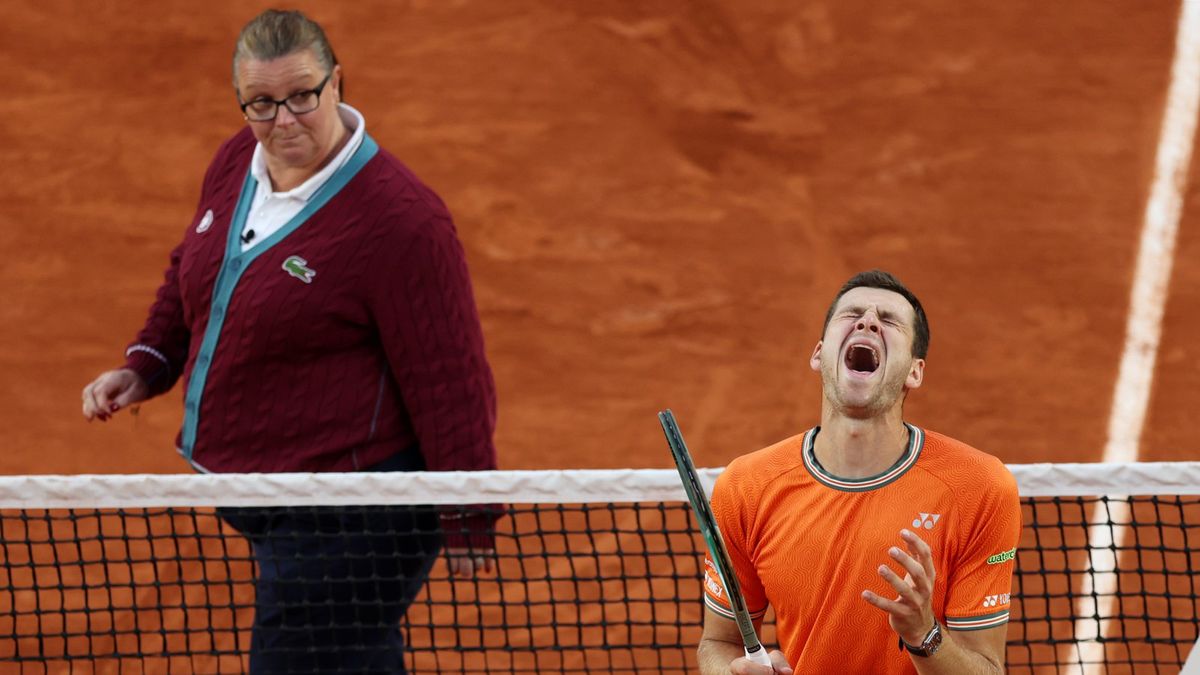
(236, 261)
(916, 442)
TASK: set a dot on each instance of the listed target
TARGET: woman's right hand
(112, 391)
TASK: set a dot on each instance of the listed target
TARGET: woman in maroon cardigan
(320, 313)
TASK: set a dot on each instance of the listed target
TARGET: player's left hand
(911, 613)
(466, 562)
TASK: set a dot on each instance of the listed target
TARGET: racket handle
(759, 656)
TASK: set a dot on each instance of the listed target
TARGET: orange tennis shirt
(808, 543)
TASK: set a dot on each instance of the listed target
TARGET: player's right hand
(112, 391)
(744, 666)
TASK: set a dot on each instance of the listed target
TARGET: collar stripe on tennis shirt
(916, 442)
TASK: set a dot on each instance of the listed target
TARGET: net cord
(511, 487)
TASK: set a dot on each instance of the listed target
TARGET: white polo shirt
(271, 210)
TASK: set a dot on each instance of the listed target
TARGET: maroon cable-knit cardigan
(379, 351)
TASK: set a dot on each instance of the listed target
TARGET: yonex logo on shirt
(927, 520)
(298, 267)
(993, 600)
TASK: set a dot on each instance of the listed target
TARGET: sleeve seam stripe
(977, 622)
(728, 613)
(149, 350)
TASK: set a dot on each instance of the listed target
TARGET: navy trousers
(334, 582)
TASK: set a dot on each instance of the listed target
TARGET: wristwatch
(928, 646)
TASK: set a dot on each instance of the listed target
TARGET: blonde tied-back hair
(276, 33)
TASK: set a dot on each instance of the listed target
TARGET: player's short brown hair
(888, 282)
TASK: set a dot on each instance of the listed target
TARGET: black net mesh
(577, 588)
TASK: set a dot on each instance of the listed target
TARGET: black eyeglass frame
(284, 101)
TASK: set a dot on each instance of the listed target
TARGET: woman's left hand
(465, 562)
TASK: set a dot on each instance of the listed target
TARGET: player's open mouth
(862, 359)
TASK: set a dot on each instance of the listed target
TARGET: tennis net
(596, 571)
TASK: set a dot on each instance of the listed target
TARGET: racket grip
(759, 656)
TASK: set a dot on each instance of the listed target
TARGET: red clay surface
(658, 200)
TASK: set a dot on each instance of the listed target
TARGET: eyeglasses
(265, 109)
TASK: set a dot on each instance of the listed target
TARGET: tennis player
(320, 314)
(882, 547)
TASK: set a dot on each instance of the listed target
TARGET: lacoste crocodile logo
(298, 267)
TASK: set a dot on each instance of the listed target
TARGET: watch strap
(929, 645)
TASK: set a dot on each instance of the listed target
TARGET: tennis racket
(712, 537)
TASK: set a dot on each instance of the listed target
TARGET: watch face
(933, 641)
